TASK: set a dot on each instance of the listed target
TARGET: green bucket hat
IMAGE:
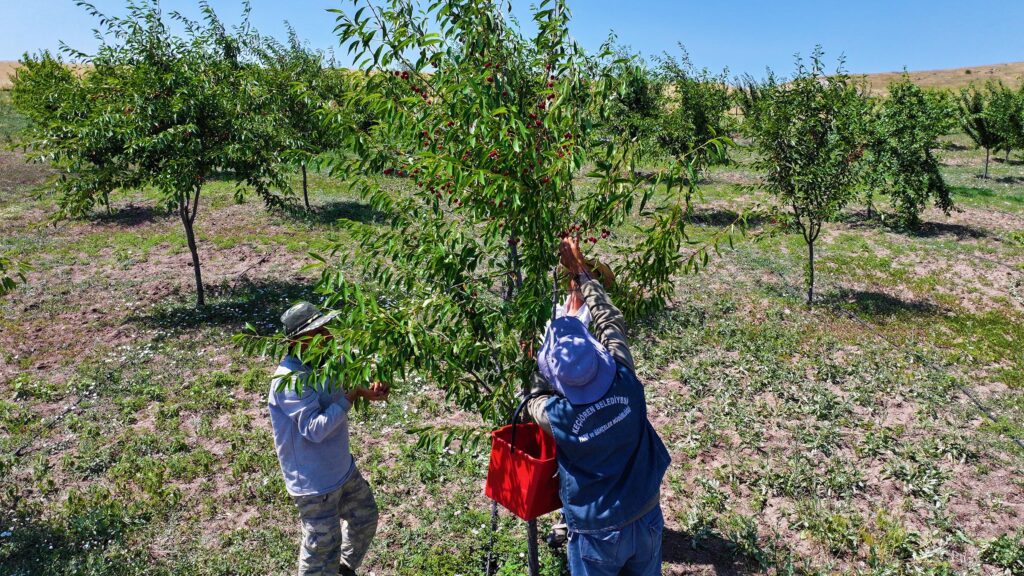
(304, 318)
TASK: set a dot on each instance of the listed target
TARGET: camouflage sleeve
(609, 323)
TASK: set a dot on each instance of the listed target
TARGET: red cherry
(490, 78)
(605, 233)
(592, 240)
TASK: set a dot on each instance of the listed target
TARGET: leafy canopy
(152, 109)
(901, 164)
(155, 109)
(810, 134)
(696, 102)
(493, 129)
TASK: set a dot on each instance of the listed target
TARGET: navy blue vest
(610, 459)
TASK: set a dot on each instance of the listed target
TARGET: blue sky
(743, 35)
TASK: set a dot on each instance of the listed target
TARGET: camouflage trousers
(337, 528)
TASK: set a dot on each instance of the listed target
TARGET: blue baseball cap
(574, 362)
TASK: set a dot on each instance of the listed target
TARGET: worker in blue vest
(610, 459)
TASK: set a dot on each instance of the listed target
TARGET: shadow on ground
(1010, 162)
(230, 305)
(860, 220)
(711, 551)
(877, 304)
(94, 531)
(936, 229)
(330, 212)
(130, 215)
(722, 217)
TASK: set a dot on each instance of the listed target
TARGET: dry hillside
(953, 78)
(6, 70)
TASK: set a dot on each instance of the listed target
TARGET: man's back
(310, 431)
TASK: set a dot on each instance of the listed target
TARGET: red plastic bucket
(524, 479)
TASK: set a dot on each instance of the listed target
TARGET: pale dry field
(6, 71)
(950, 78)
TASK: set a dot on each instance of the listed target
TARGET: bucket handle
(515, 415)
(532, 395)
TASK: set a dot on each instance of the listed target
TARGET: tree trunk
(305, 190)
(188, 216)
(533, 559)
(988, 152)
(810, 273)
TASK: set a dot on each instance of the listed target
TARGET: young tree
(1006, 114)
(637, 108)
(976, 121)
(747, 96)
(492, 128)
(810, 135)
(302, 81)
(901, 164)
(696, 103)
(943, 109)
(154, 109)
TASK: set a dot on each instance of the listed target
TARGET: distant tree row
(672, 109)
(822, 141)
(168, 111)
(993, 116)
(173, 111)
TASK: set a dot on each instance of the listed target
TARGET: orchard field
(872, 426)
(135, 437)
